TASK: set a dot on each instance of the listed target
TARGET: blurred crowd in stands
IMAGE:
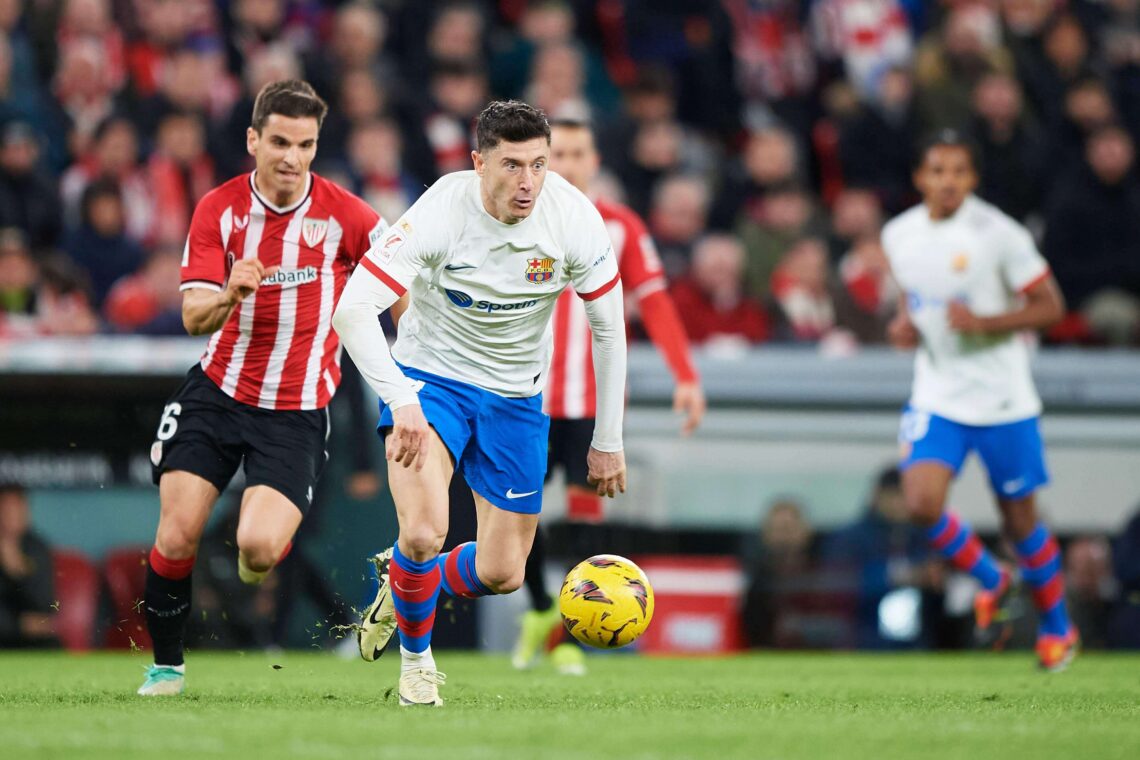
(876, 584)
(764, 141)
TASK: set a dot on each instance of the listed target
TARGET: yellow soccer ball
(606, 601)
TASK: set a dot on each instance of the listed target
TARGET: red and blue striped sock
(415, 590)
(957, 542)
(459, 577)
(1040, 560)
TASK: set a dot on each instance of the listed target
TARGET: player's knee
(1019, 518)
(175, 541)
(421, 542)
(259, 549)
(923, 508)
(503, 580)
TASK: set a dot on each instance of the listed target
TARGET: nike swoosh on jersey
(456, 267)
(512, 495)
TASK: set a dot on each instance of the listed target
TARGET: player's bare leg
(1040, 560)
(925, 488)
(186, 501)
(505, 539)
(415, 576)
(926, 485)
(421, 501)
(266, 526)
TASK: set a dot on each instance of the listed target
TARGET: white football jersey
(986, 260)
(482, 291)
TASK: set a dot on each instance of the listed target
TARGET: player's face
(511, 176)
(283, 152)
(573, 155)
(945, 178)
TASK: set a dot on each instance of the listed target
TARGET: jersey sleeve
(590, 260)
(417, 240)
(1023, 266)
(204, 262)
(640, 266)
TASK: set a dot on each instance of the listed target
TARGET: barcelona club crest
(539, 271)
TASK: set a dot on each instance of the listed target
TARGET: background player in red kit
(267, 258)
(570, 394)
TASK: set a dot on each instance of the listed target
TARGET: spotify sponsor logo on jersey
(291, 278)
(464, 301)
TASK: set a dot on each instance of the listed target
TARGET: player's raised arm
(209, 295)
(205, 310)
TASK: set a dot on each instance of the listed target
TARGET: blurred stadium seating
(77, 586)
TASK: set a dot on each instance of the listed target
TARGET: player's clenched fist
(245, 278)
(606, 471)
(902, 333)
(963, 320)
(408, 441)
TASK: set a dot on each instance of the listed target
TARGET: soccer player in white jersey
(972, 283)
(485, 255)
(570, 394)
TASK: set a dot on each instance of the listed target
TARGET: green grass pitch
(757, 706)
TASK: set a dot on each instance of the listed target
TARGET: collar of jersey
(968, 202)
(279, 209)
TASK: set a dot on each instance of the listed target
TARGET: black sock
(534, 579)
(167, 602)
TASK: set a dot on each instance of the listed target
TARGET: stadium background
(764, 143)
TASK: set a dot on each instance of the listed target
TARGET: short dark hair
(100, 188)
(948, 138)
(289, 97)
(511, 121)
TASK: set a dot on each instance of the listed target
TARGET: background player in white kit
(972, 281)
(485, 254)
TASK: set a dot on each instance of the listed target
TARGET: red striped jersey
(570, 391)
(278, 349)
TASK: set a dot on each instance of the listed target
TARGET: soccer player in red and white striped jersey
(267, 257)
(569, 397)
(277, 349)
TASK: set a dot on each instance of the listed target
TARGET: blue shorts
(1013, 453)
(498, 443)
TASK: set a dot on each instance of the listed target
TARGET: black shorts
(207, 433)
(569, 442)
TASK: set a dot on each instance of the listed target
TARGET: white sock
(416, 660)
(176, 668)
